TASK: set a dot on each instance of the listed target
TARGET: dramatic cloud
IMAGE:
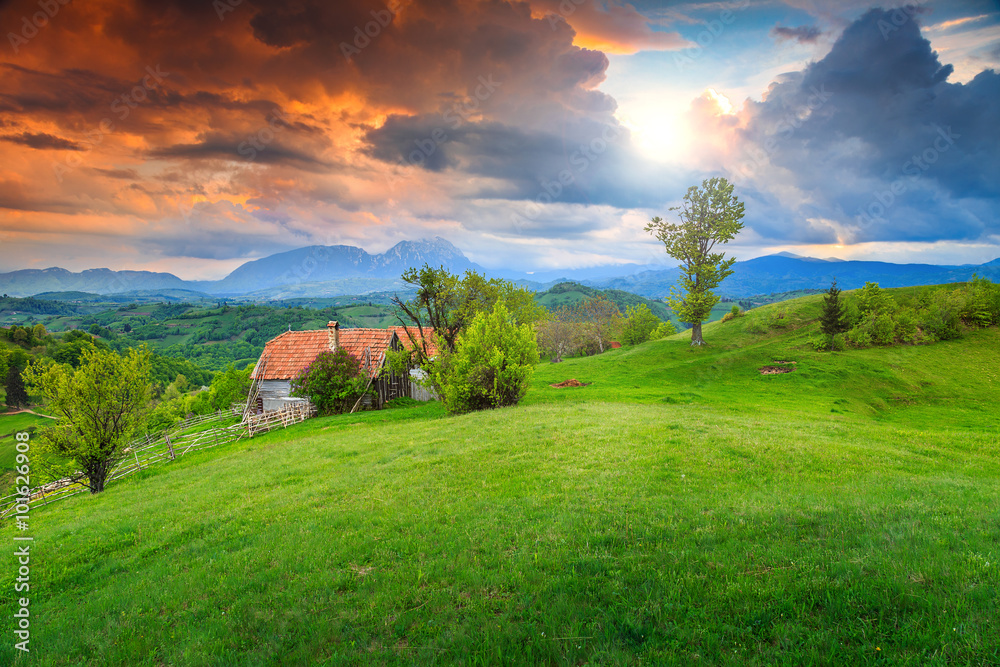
(870, 143)
(42, 141)
(195, 133)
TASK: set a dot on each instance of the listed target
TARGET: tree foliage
(99, 406)
(638, 325)
(709, 215)
(447, 304)
(601, 321)
(333, 382)
(17, 396)
(492, 363)
(559, 333)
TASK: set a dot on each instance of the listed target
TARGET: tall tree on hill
(16, 395)
(832, 320)
(709, 214)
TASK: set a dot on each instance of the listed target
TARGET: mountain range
(323, 271)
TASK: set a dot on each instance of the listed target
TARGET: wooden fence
(168, 446)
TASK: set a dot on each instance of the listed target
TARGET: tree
(230, 386)
(446, 304)
(17, 397)
(601, 320)
(708, 215)
(333, 382)
(639, 324)
(492, 363)
(833, 319)
(99, 407)
(559, 333)
(662, 330)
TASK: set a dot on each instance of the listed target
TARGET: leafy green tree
(601, 321)
(833, 319)
(100, 407)
(708, 215)
(333, 382)
(230, 386)
(559, 333)
(17, 396)
(492, 363)
(446, 303)
(638, 325)
(662, 330)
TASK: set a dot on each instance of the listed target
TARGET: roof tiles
(287, 355)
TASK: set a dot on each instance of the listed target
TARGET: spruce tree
(832, 321)
(16, 395)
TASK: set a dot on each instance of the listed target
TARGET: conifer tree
(832, 321)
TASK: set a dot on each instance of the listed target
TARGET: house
(287, 355)
(422, 336)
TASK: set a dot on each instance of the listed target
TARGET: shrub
(492, 363)
(663, 330)
(906, 326)
(756, 325)
(639, 324)
(982, 303)
(333, 382)
(942, 318)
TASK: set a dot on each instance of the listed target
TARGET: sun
(659, 128)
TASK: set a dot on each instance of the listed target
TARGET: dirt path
(30, 412)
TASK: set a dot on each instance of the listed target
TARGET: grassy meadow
(680, 509)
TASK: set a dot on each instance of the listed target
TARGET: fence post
(170, 447)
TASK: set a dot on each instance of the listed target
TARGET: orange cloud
(614, 28)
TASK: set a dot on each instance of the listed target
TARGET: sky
(191, 136)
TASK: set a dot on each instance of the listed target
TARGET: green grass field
(682, 509)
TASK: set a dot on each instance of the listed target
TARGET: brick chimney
(333, 332)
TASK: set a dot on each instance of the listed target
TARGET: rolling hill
(682, 508)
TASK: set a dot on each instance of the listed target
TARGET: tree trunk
(696, 338)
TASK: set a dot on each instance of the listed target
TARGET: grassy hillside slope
(681, 509)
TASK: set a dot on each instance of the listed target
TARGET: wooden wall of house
(274, 392)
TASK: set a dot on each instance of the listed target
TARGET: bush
(982, 303)
(942, 318)
(639, 324)
(491, 365)
(333, 382)
(663, 330)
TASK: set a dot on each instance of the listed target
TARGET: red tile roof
(287, 355)
(417, 333)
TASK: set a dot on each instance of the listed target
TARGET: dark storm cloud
(804, 34)
(42, 141)
(875, 136)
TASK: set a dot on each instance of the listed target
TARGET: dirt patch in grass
(569, 383)
(775, 370)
